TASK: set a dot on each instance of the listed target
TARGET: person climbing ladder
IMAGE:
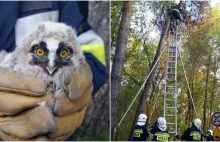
(175, 16)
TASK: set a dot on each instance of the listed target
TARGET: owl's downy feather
(53, 35)
(2, 55)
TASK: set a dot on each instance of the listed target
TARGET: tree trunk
(190, 103)
(213, 90)
(149, 82)
(119, 59)
(206, 91)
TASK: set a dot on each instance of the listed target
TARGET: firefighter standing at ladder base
(193, 133)
(159, 130)
(140, 132)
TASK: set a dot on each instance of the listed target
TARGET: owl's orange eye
(40, 52)
(63, 53)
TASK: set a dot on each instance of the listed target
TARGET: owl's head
(52, 46)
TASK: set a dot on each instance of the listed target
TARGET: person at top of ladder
(159, 130)
(175, 15)
(141, 133)
(193, 133)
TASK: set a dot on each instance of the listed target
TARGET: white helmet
(197, 122)
(142, 119)
(210, 131)
(176, 1)
(161, 123)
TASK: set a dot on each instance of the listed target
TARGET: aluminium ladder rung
(172, 51)
(172, 56)
(171, 67)
(169, 107)
(170, 80)
(170, 94)
(170, 115)
(171, 46)
(171, 62)
(169, 123)
(170, 86)
(170, 100)
(172, 132)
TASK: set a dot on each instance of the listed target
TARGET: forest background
(134, 56)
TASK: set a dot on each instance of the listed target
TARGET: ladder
(170, 94)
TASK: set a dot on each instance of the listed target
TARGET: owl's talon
(51, 86)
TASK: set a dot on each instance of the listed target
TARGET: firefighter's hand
(21, 117)
(154, 125)
(177, 136)
(71, 102)
(76, 92)
(19, 92)
(28, 125)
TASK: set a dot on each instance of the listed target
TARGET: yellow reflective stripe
(162, 135)
(138, 131)
(195, 135)
(97, 49)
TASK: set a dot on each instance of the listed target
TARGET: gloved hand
(20, 115)
(77, 91)
(71, 102)
(154, 125)
(30, 123)
(177, 136)
(41, 122)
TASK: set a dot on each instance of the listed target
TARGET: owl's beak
(51, 69)
(51, 65)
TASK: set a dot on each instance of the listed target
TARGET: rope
(187, 82)
(139, 90)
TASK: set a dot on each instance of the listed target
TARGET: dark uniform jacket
(192, 134)
(140, 133)
(159, 135)
(210, 138)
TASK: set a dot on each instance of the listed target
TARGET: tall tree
(119, 59)
(147, 87)
(206, 95)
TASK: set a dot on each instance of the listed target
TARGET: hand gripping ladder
(170, 94)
